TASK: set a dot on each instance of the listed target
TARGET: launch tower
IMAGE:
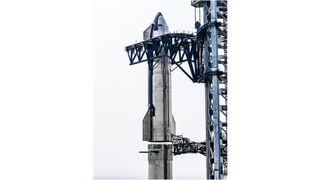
(205, 52)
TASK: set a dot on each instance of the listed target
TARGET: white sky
(46, 89)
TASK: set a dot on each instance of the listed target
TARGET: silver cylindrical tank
(159, 124)
(163, 121)
(160, 161)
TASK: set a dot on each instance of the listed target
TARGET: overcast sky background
(64, 77)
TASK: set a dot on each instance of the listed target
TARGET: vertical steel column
(222, 27)
(212, 94)
(209, 148)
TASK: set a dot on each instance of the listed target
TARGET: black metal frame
(182, 145)
(179, 47)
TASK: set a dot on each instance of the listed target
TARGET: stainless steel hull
(158, 128)
(160, 161)
(158, 123)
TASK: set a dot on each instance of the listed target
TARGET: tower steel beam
(213, 33)
(178, 47)
(212, 95)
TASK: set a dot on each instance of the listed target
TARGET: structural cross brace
(182, 145)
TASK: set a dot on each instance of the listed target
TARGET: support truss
(179, 47)
(182, 145)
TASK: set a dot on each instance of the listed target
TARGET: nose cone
(160, 23)
(160, 26)
(157, 28)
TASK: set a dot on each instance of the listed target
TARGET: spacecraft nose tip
(160, 23)
(157, 28)
(156, 19)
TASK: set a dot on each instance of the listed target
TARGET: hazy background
(46, 90)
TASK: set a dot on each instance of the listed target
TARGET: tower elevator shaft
(214, 35)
